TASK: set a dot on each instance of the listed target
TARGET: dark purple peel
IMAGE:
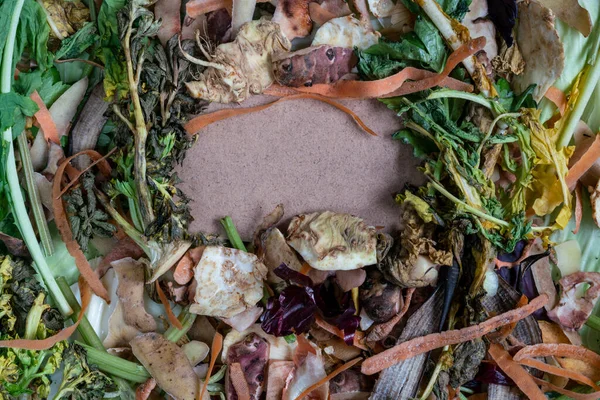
(293, 311)
(503, 13)
(291, 276)
(253, 354)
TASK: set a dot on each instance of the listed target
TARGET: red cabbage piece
(291, 276)
(293, 311)
(337, 308)
(516, 253)
(491, 373)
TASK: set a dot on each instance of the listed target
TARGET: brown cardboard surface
(303, 153)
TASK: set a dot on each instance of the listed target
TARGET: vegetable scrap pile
(489, 290)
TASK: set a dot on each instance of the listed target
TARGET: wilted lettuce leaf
(115, 79)
(421, 145)
(13, 110)
(32, 33)
(456, 9)
(47, 83)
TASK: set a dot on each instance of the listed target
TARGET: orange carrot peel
(45, 120)
(62, 223)
(434, 341)
(165, 302)
(516, 372)
(201, 121)
(44, 344)
(382, 330)
(582, 165)
(215, 349)
(578, 208)
(557, 97)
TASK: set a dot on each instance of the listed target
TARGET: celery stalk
(16, 200)
(232, 233)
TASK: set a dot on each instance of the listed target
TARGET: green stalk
(85, 328)
(594, 323)
(16, 200)
(589, 80)
(187, 320)
(34, 317)
(34, 198)
(467, 207)
(232, 233)
(456, 94)
(115, 366)
(141, 132)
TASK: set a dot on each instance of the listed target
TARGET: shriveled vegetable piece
(130, 274)
(64, 334)
(307, 374)
(346, 32)
(517, 373)
(124, 248)
(195, 351)
(572, 13)
(573, 310)
(44, 118)
(424, 344)
(241, 67)
(119, 333)
(541, 48)
(145, 389)
(277, 252)
(382, 330)
(293, 17)
(201, 121)
(279, 349)
(65, 107)
(381, 8)
(64, 228)
(329, 241)
(320, 64)
(169, 13)
(167, 363)
(196, 8)
(328, 10)
(244, 320)
(230, 281)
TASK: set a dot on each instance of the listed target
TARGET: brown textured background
(302, 153)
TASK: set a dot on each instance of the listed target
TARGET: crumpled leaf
(549, 188)
(572, 13)
(68, 16)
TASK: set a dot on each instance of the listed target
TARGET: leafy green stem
(594, 322)
(232, 233)
(15, 195)
(493, 126)
(467, 207)
(141, 131)
(34, 316)
(457, 94)
(34, 198)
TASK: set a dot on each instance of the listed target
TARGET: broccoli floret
(81, 381)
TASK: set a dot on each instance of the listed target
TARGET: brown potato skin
(314, 65)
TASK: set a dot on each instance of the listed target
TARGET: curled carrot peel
(201, 121)
(424, 344)
(143, 391)
(582, 165)
(62, 223)
(334, 330)
(558, 371)
(558, 97)
(43, 344)
(382, 330)
(74, 178)
(215, 349)
(573, 395)
(515, 372)
(329, 377)
(386, 87)
(559, 350)
(165, 302)
(239, 382)
(507, 329)
(45, 120)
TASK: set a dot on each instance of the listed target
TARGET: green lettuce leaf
(76, 44)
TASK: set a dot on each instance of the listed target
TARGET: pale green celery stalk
(588, 82)
(15, 196)
(593, 322)
(187, 320)
(232, 233)
(34, 198)
(34, 316)
(115, 366)
(456, 94)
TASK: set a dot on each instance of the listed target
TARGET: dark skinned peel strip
(64, 228)
(434, 341)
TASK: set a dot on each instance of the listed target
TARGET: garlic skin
(330, 241)
(230, 281)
